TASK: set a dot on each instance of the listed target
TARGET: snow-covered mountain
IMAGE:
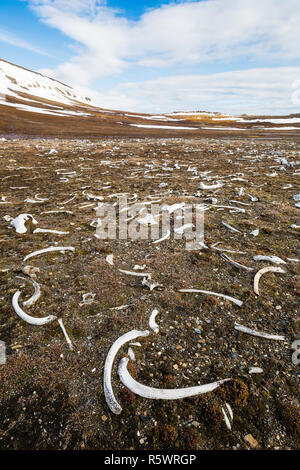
(24, 89)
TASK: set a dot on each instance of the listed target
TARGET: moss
(234, 392)
(190, 439)
(290, 415)
(212, 415)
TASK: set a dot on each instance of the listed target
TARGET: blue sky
(158, 56)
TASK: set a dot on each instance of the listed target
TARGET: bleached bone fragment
(48, 250)
(35, 296)
(19, 222)
(55, 232)
(211, 187)
(214, 247)
(237, 302)
(294, 260)
(152, 323)
(253, 198)
(228, 415)
(296, 197)
(131, 354)
(28, 318)
(108, 391)
(296, 227)
(148, 282)
(31, 271)
(130, 273)
(260, 334)
(255, 233)
(297, 205)
(255, 370)
(230, 227)
(33, 201)
(260, 273)
(110, 259)
(65, 334)
(233, 208)
(272, 259)
(162, 394)
(87, 299)
(2, 353)
(137, 267)
(241, 192)
(234, 263)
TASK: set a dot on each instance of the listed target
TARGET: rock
(250, 440)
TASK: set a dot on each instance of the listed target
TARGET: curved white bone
(47, 250)
(162, 394)
(273, 259)
(130, 273)
(152, 323)
(35, 296)
(108, 391)
(28, 318)
(249, 331)
(234, 263)
(227, 297)
(258, 275)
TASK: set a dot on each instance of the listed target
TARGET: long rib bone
(260, 334)
(258, 275)
(234, 263)
(108, 391)
(162, 394)
(227, 297)
(47, 250)
(28, 318)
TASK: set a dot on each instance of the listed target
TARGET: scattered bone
(87, 299)
(230, 227)
(234, 263)
(272, 259)
(35, 296)
(228, 415)
(162, 394)
(260, 334)
(48, 250)
(28, 318)
(131, 354)
(108, 391)
(214, 186)
(264, 271)
(148, 282)
(55, 232)
(152, 323)
(31, 271)
(255, 370)
(130, 273)
(239, 303)
(255, 233)
(110, 259)
(19, 222)
(65, 334)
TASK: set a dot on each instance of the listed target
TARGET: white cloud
(186, 34)
(256, 91)
(177, 33)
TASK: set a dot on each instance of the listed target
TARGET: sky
(159, 56)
